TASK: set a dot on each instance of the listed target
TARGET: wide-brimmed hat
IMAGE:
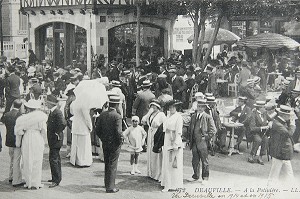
(33, 104)
(243, 98)
(146, 84)
(114, 99)
(51, 99)
(173, 103)
(210, 99)
(156, 103)
(115, 83)
(284, 109)
(250, 81)
(260, 103)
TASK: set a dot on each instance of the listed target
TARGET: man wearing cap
(12, 88)
(109, 130)
(201, 129)
(242, 114)
(141, 103)
(178, 85)
(259, 131)
(244, 75)
(55, 125)
(281, 146)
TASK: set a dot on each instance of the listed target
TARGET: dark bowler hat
(260, 103)
(284, 109)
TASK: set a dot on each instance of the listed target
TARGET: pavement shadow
(134, 182)
(5, 186)
(76, 189)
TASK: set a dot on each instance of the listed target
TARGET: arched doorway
(62, 44)
(122, 40)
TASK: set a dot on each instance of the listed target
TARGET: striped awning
(268, 40)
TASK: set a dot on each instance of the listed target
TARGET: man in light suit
(201, 129)
(109, 130)
(142, 101)
(242, 114)
(259, 130)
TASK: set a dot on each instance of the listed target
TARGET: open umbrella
(223, 37)
(90, 94)
(268, 40)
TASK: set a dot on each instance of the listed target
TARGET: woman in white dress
(29, 129)
(154, 118)
(172, 166)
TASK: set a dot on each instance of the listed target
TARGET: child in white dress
(135, 137)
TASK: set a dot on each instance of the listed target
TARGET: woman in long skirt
(154, 118)
(29, 129)
(172, 166)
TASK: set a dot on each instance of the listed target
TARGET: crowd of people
(166, 109)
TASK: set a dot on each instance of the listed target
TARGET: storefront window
(122, 40)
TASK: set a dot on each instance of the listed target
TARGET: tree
(201, 11)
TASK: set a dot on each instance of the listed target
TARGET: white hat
(135, 118)
(33, 104)
(284, 110)
(199, 94)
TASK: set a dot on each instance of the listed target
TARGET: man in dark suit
(179, 86)
(131, 88)
(12, 88)
(141, 103)
(281, 146)
(55, 126)
(59, 84)
(242, 114)
(9, 119)
(201, 129)
(259, 130)
(109, 130)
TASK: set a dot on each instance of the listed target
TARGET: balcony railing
(65, 3)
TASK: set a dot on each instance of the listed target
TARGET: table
(233, 125)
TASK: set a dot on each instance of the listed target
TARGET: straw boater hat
(126, 72)
(77, 70)
(199, 95)
(211, 99)
(284, 109)
(260, 103)
(202, 102)
(114, 99)
(290, 78)
(209, 94)
(156, 103)
(33, 104)
(162, 76)
(270, 105)
(172, 69)
(256, 79)
(243, 98)
(250, 81)
(115, 83)
(295, 91)
(197, 68)
(146, 84)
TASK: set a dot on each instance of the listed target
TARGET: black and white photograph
(151, 99)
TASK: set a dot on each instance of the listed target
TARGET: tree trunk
(202, 34)
(196, 36)
(213, 39)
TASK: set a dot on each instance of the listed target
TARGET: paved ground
(233, 173)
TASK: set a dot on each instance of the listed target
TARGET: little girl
(135, 137)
